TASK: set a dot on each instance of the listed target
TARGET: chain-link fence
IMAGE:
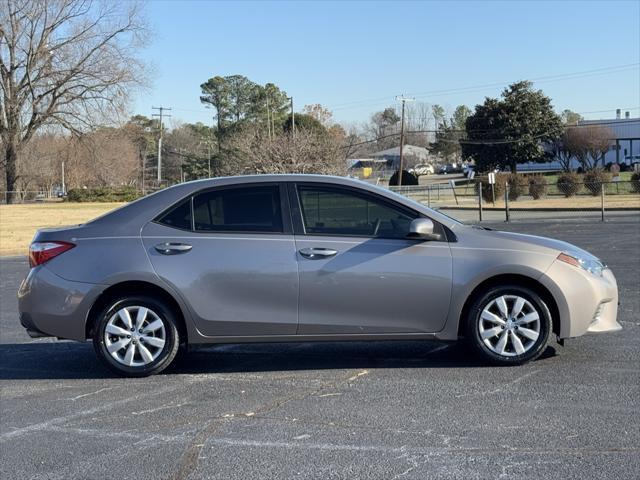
(30, 196)
(474, 202)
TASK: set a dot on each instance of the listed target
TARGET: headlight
(591, 265)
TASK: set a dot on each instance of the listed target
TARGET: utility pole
(403, 99)
(64, 187)
(161, 109)
(268, 119)
(293, 119)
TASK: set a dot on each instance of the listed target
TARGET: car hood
(532, 240)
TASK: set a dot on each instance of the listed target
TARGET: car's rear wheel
(508, 325)
(136, 336)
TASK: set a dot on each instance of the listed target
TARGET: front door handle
(317, 253)
(172, 248)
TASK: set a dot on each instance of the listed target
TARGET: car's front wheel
(136, 336)
(508, 325)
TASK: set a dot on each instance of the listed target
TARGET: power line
(470, 89)
(501, 141)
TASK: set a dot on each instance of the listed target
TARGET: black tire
(473, 322)
(167, 353)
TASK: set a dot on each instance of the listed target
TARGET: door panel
(358, 271)
(230, 253)
(374, 286)
(245, 284)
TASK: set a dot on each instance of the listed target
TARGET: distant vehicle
(446, 169)
(300, 258)
(422, 169)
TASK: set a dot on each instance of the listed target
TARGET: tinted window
(178, 217)
(332, 211)
(243, 209)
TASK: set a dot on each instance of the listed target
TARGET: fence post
(506, 201)
(480, 200)
(602, 200)
(429, 196)
(452, 184)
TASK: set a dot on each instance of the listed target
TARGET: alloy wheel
(135, 336)
(509, 325)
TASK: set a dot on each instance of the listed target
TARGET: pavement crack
(191, 454)
(90, 393)
(482, 393)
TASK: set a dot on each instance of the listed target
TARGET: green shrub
(518, 185)
(635, 182)
(594, 179)
(537, 186)
(569, 184)
(103, 194)
(498, 187)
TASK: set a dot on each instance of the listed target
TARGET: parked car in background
(422, 169)
(450, 168)
(299, 258)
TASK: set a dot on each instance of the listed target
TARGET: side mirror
(422, 229)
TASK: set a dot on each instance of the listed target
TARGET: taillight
(41, 252)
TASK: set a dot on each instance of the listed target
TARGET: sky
(355, 57)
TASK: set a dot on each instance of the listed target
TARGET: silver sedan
(298, 258)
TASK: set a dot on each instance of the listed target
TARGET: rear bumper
(586, 303)
(51, 306)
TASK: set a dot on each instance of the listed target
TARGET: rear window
(178, 217)
(242, 209)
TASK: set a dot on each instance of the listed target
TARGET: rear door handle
(172, 248)
(317, 253)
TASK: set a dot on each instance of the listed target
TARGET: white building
(624, 144)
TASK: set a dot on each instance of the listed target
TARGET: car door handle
(317, 253)
(172, 248)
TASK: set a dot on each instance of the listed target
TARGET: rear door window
(178, 217)
(239, 209)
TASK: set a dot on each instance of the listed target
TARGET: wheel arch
(135, 287)
(517, 280)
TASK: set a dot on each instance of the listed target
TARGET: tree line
(68, 67)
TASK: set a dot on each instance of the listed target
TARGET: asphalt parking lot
(360, 410)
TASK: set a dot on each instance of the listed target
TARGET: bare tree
(588, 144)
(561, 151)
(40, 165)
(307, 152)
(64, 64)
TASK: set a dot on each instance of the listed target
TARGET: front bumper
(586, 303)
(51, 306)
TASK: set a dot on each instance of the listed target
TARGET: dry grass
(18, 223)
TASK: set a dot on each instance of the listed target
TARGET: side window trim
(285, 212)
(296, 210)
